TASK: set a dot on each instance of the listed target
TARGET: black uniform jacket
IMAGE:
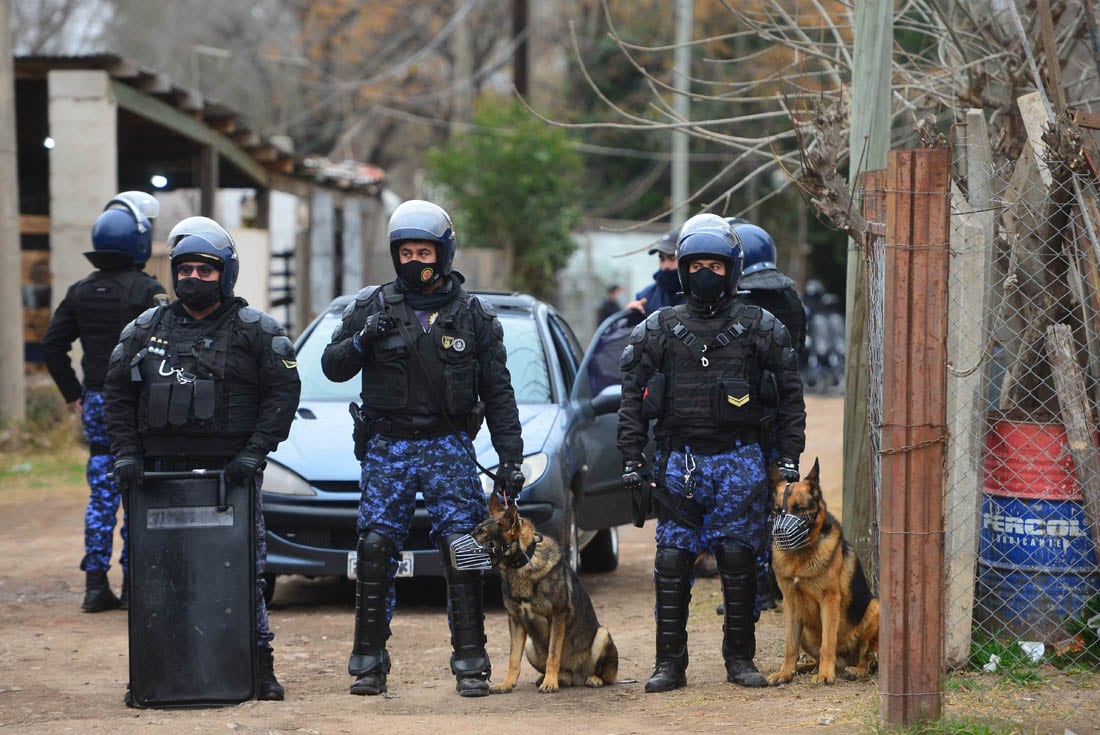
(343, 359)
(94, 310)
(255, 377)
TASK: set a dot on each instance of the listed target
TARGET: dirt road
(63, 671)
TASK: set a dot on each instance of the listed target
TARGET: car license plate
(404, 565)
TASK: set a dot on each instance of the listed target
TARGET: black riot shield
(192, 606)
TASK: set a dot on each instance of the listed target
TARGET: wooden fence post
(913, 435)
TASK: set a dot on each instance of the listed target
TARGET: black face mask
(668, 280)
(706, 285)
(197, 294)
(417, 274)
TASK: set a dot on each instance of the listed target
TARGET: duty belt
(386, 427)
(716, 445)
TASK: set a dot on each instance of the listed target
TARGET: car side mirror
(608, 400)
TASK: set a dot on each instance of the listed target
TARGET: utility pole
(13, 386)
(868, 144)
(519, 55)
(681, 103)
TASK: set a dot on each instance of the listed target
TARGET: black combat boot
(737, 568)
(97, 593)
(465, 612)
(672, 582)
(268, 687)
(370, 662)
(124, 596)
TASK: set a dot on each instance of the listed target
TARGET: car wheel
(602, 552)
(269, 588)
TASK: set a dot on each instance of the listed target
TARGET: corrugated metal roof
(348, 175)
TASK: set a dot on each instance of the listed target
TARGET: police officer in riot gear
(431, 356)
(763, 284)
(697, 370)
(94, 310)
(205, 382)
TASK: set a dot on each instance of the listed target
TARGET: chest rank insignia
(157, 346)
(733, 400)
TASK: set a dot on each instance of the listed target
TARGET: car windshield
(526, 362)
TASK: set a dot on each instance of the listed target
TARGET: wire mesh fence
(1021, 475)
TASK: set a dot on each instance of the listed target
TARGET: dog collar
(517, 557)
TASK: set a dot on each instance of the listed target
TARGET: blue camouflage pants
(394, 470)
(103, 500)
(732, 488)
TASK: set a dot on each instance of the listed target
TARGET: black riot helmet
(709, 236)
(417, 219)
(203, 239)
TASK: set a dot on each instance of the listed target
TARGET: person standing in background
(665, 289)
(94, 311)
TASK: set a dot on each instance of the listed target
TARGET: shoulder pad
(145, 317)
(486, 307)
(270, 324)
(128, 330)
(282, 346)
(118, 354)
(364, 295)
(638, 333)
(767, 319)
(249, 315)
(653, 321)
(629, 357)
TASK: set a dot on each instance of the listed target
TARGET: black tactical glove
(788, 468)
(375, 328)
(633, 471)
(511, 475)
(242, 469)
(129, 471)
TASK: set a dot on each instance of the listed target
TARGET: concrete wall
(83, 168)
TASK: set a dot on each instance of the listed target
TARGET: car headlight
(533, 468)
(278, 480)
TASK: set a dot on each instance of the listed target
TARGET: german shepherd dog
(827, 605)
(548, 608)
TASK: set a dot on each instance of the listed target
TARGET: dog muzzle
(790, 531)
(468, 555)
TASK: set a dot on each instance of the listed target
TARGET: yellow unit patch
(738, 401)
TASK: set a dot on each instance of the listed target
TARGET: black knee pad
(734, 557)
(373, 555)
(673, 562)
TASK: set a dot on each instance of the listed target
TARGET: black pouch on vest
(159, 394)
(653, 397)
(204, 399)
(735, 403)
(180, 404)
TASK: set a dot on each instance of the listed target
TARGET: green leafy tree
(511, 183)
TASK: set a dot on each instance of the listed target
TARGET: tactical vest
(712, 373)
(105, 302)
(187, 368)
(423, 375)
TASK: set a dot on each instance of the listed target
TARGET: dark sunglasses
(200, 270)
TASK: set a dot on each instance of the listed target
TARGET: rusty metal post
(913, 435)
